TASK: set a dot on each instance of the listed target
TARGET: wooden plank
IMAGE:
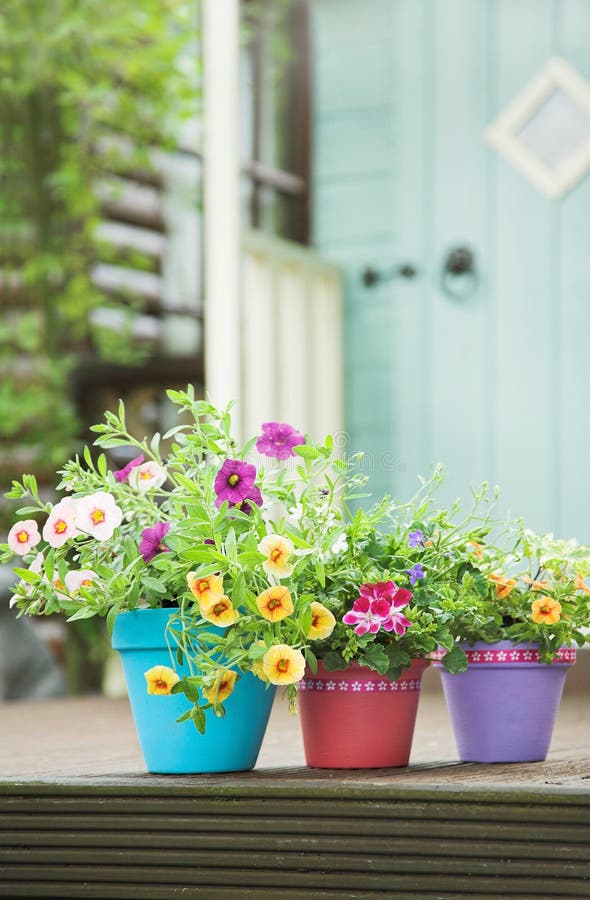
(317, 860)
(234, 878)
(423, 842)
(104, 891)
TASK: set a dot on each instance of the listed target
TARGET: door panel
(495, 386)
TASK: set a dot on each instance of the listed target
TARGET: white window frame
(503, 133)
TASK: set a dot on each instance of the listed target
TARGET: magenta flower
(278, 439)
(254, 496)
(151, 540)
(235, 482)
(123, 474)
(377, 608)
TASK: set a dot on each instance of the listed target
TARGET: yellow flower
(580, 584)
(283, 665)
(161, 680)
(206, 590)
(278, 551)
(545, 611)
(275, 603)
(322, 622)
(504, 585)
(221, 612)
(222, 687)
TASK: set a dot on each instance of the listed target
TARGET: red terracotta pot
(358, 719)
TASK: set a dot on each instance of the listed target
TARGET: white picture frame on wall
(563, 145)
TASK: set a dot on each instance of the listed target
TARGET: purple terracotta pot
(503, 708)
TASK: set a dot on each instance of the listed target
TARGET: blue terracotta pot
(230, 744)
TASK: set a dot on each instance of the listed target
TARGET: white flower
(61, 523)
(77, 579)
(339, 546)
(23, 536)
(146, 477)
(98, 515)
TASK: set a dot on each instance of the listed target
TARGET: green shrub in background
(87, 88)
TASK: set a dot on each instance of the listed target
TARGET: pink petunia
(23, 536)
(80, 578)
(61, 523)
(98, 515)
(147, 477)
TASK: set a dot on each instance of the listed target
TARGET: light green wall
(496, 387)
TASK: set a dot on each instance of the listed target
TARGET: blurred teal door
(495, 383)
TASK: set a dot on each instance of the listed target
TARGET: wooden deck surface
(80, 817)
(93, 739)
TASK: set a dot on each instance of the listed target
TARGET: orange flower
(222, 687)
(545, 611)
(275, 603)
(279, 553)
(580, 584)
(161, 680)
(322, 622)
(206, 590)
(475, 548)
(221, 612)
(283, 665)
(537, 585)
(504, 585)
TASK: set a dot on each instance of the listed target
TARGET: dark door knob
(460, 261)
(459, 276)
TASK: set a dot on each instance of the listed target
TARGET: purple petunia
(235, 483)
(123, 474)
(151, 540)
(278, 439)
(416, 573)
(416, 538)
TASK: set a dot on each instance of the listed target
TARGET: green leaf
(84, 613)
(28, 576)
(111, 616)
(375, 657)
(333, 661)
(200, 720)
(311, 660)
(320, 573)
(154, 585)
(455, 660)
(306, 451)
